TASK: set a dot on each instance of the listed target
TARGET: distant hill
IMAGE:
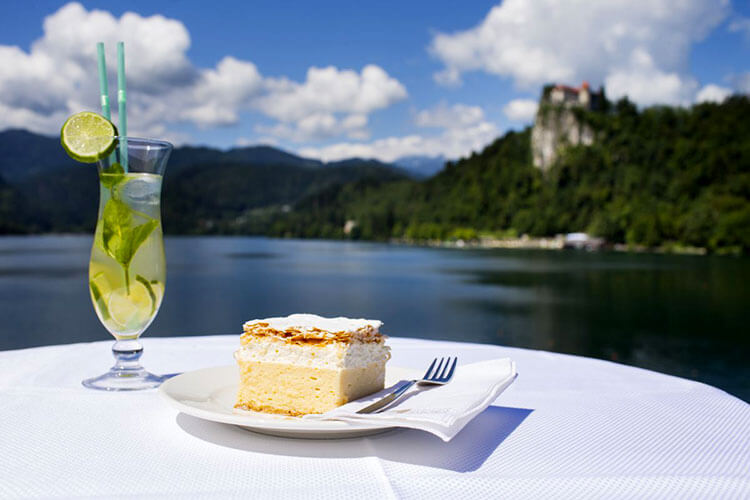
(421, 166)
(257, 155)
(244, 198)
(206, 190)
(24, 154)
(661, 176)
(372, 164)
(12, 213)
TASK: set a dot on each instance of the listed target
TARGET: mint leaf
(112, 175)
(139, 234)
(115, 168)
(117, 219)
(121, 238)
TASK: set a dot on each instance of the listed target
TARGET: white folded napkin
(441, 410)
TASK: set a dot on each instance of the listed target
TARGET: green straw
(103, 88)
(121, 101)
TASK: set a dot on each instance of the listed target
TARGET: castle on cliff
(557, 126)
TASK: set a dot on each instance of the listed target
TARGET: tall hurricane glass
(127, 271)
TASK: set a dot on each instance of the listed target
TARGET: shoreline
(556, 243)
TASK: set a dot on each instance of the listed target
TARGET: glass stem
(127, 355)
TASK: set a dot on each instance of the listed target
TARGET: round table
(569, 427)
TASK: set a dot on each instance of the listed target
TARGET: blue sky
(392, 78)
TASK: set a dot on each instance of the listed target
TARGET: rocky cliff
(557, 125)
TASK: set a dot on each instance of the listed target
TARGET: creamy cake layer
(294, 390)
(308, 364)
(330, 355)
(310, 328)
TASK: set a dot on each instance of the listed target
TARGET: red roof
(575, 90)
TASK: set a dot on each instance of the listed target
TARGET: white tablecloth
(569, 427)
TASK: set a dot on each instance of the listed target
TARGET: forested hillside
(661, 176)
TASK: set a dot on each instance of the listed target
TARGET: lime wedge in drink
(134, 309)
(88, 137)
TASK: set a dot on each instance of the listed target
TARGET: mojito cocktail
(127, 271)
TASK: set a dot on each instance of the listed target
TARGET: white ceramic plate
(210, 394)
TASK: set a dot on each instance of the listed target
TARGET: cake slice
(305, 363)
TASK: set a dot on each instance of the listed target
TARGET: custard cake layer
(307, 364)
(299, 390)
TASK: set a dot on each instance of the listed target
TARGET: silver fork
(439, 376)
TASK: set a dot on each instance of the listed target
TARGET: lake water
(681, 315)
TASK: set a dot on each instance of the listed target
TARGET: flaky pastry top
(313, 329)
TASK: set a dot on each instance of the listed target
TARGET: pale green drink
(127, 270)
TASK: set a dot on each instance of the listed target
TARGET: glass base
(125, 380)
(127, 374)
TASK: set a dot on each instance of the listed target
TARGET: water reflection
(43, 272)
(680, 315)
(35, 251)
(251, 255)
(674, 314)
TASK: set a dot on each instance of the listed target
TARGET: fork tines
(444, 370)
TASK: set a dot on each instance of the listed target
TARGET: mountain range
(24, 154)
(670, 177)
(42, 189)
(421, 167)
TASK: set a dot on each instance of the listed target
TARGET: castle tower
(556, 125)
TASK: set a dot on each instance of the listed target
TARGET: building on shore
(583, 241)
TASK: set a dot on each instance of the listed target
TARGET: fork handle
(389, 399)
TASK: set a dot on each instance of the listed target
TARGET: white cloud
(713, 93)
(40, 88)
(444, 116)
(319, 126)
(619, 42)
(58, 76)
(646, 84)
(220, 92)
(330, 102)
(741, 82)
(449, 77)
(243, 142)
(464, 129)
(740, 25)
(328, 90)
(521, 110)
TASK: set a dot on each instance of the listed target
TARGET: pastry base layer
(296, 390)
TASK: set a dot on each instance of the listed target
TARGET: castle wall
(557, 127)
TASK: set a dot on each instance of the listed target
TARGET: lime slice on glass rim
(88, 137)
